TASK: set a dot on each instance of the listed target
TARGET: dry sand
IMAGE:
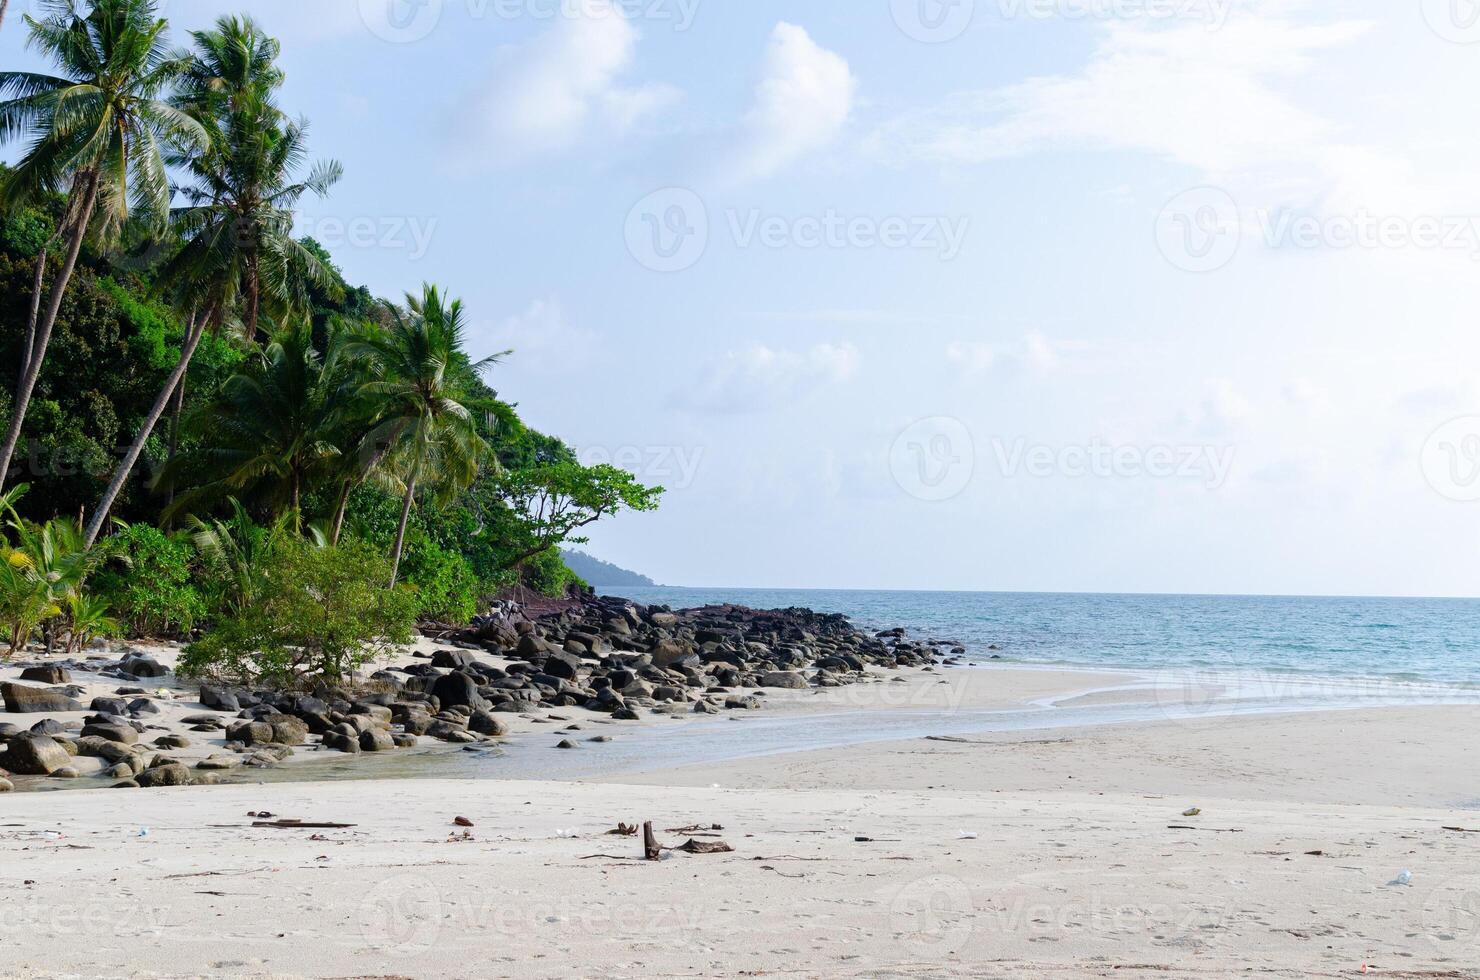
(1037, 854)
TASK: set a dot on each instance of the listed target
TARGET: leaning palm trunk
(195, 331)
(401, 531)
(87, 186)
(3, 5)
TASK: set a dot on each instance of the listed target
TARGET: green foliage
(322, 613)
(234, 557)
(153, 592)
(548, 504)
(25, 232)
(44, 569)
(447, 589)
(547, 574)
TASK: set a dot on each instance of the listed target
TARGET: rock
(340, 742)
(104, 748)
(23, 700)
(143, 706)
(172, 742)
(219, 762)
(457, 689)
(250, 732)
(169, 774)
(566, 666)
(126, 784)
(486, 723)
(48, 726)
(109, 706)
(377, 740)
(783, 679)
(626, 714)
(123, 734)
(66, 772)
(287, 730)
(451, 659)
(566, 743)
(49, 674)
(219, 699)
(6, 786)
(34, 755)
(140, 665)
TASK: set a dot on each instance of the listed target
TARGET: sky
(1038, 295)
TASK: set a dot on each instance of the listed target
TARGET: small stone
(566, 743)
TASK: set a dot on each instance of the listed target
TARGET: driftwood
(650, 849)
(1462, 830)
(1211, 830)
(623, 830)
(300, 825)
(704, 847)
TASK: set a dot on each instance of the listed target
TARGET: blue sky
(1125, 295)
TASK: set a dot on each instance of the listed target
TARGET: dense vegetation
(209, 433)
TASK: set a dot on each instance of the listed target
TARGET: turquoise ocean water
(1413, 640)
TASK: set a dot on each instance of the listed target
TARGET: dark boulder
(34, 755)
(47, 674)
(23, 700)
(139, 665)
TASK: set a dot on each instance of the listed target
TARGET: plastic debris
(966, 835)
(1192, 811)
(1405, 877)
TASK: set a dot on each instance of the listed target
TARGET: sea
(1417, 641)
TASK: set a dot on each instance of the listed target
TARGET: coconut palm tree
(238, 221)
(425, 429)
(99, 129)
(269, 435)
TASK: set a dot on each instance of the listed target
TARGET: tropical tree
(269, 435)
(99, 130)
(45, 567)
(238, 220)
(420, 382)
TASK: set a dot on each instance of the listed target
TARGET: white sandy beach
(1031, 854)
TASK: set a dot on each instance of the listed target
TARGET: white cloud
(542, 339)
(760, 378)
(547, 95)
(1224, 103)
(801, 104)
(1035, 354)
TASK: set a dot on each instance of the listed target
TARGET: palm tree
(239, 218)
(99, 129)
(271, 433)
(427, 433)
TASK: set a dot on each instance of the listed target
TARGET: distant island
(600, 573)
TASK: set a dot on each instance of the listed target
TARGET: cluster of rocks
(612, 655)
(607, 655)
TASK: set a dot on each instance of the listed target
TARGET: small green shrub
(447, 590)
(321, 613)
(150, 590)
(548, 574)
